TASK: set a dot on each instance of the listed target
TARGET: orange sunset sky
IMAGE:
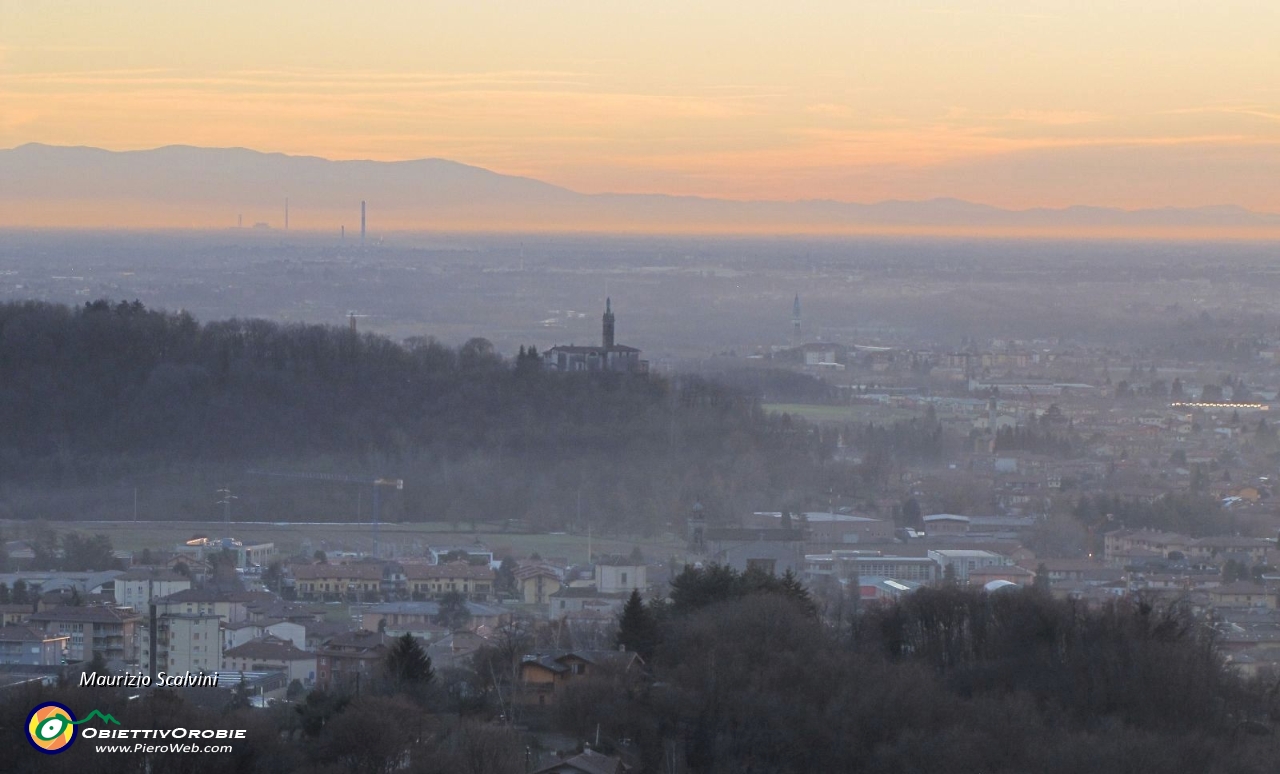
(1017, 104)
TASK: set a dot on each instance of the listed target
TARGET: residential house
(536, 582)
(543, 677)
(421, 616)
(1243, 594)
(230, 606)
(15, 614)
(617, 576)
(1219, 549)
(455, 649)
(1136, 558)
(237, 634)
(32, 646)
(185, 642)
(106, 630)
(576, 599)
(334, 581)
(1159, 541)
(272, 654)
(347, 660)
(136, 587)
(475, 581)
(1088, 572)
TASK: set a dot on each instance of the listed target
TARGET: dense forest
(103, 400)
(748, 673)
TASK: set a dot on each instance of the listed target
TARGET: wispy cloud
(1054, 117)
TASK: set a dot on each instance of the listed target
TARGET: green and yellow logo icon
(51, 728)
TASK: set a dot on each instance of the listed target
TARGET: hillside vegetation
(99, 400)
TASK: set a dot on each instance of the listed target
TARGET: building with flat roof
(946, 524)
(135, 588)
(965, 560)
(823, 528)
(247, 555)
(847, 565)
(771, 551)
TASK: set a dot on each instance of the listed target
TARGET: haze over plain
(1014, 105)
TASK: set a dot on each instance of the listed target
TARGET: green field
(394, 539)
(822, 413)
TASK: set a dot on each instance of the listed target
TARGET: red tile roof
(452, 570)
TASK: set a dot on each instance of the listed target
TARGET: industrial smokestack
(362, 221)
(286, 213)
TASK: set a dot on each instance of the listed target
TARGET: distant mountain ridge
(178, 185)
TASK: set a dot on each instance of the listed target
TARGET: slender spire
(608, 324)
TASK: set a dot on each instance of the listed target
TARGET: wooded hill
(109, 397)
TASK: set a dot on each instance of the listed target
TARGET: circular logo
(50, 729)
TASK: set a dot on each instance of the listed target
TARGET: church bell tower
(608, 324)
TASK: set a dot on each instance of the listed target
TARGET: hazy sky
(1028, 103)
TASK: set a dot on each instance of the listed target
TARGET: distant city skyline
(1038, 103)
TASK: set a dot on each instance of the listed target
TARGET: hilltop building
(610, 356)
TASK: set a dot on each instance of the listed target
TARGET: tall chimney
(361, 221)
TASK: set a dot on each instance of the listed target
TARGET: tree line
(1190, 513)
(743, 674)
(102, 402)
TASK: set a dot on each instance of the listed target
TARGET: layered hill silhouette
(183, 186)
